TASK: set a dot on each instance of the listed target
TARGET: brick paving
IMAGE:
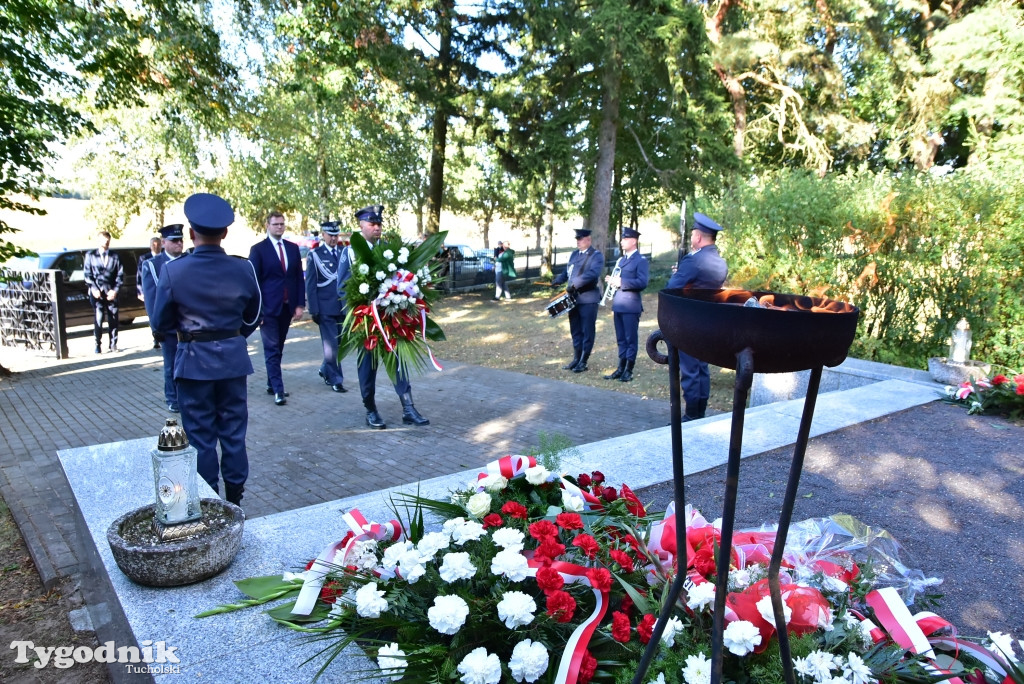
(316, 448)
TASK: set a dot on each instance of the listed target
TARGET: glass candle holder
(174, 476)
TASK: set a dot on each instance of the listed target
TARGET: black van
(77, 310)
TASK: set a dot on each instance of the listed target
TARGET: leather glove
(572, 290)
(316, 318)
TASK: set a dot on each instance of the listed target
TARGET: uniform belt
(207, 336)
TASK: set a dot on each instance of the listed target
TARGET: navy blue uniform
(324, 305)
(215, 298)
(582, 273)
(627, 304)
(704, 268)
(169, 338)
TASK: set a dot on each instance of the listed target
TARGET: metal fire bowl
(714, 326)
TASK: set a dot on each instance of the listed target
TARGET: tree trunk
(738, 96)
(439, 126)
(600, 205)
(547, 257)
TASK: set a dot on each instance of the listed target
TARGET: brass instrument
(609, 290)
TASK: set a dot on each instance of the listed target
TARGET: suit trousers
(582, 323)
(169, 347)
(695, 379)
(273, 331)
(329, 331)
(627, 333)
(105, 308)
(215, 411)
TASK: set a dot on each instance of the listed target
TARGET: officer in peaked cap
(370, 219)
(149, 272)
(628, 280)
(212, 301)
(582, 274)
(703, 267)
(323, 302)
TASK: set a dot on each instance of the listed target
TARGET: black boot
(702, 408)
(410, 416)
(575, 361)
(627, 374)
(233, 493)
(581, 367)
(690, 412)
(373, 418)
(618, 372)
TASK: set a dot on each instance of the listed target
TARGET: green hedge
(916, 252)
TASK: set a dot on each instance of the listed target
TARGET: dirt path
(948, 486)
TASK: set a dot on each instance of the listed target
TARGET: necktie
(284, 267)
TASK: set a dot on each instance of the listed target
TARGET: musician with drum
(582, 274)
(625, 285)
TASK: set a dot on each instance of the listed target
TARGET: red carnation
(561, 606)
(626, 606)
(600, 579)
(622, 558)
(549, 579)
(515, 509)
(1000, 379)
(549, 548)
(331, 590)
(493, 520)
(569, 521)
(584, 480)
(620, 627)
(597, 476)
(587, 543)
(646, 627)
(631, 540)
(609, 494)
(588, 667)
(543, 529)
(633, 504)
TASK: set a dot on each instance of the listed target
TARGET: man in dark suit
(324, 303)
(150, 270)
(278, 265)
(104, 275)
(212, 300)
(155, 244)
(582, 273)
(703, 267)
(627, 303)
(370, 219)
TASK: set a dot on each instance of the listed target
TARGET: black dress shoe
(571, 365)
(324, 378)
(270, 390)
(156, 345)
(279, 398)
(98, 350)
(581, 367)
(374, 420)
(339, 388)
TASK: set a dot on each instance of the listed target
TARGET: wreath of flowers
(1001, 393)
(535, 577)
(389, 298)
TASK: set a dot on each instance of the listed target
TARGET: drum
(560, 304)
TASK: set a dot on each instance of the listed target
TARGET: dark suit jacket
(273, 281)
(109, 278)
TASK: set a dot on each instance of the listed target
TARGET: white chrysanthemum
(363, 288)
(448, 527)
(701, 596)
(364, 269)
(388, 254)
(672, 627)
(571, 502)
(370, 601)
(697, 670)
(431, 543)
(529, 661)
(764, 607)
(412, 573)
(741, 637)
(467, 531)
(537, 475)
(492, 483)
(394, 554)
(391, 660)
(739, 579)
(480, 667)
(362, 554)
(295, 576)
(392, 268)
(479, 505)
(448, 614)
(509, 538)
(856, 671)
(516, 609)
(511, 564)
(820, 665)
(403, 257)
(380, 275)
(456, 566)
(660, 679)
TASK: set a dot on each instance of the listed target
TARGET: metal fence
(32, 312)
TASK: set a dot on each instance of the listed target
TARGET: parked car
(71, 262)
(465, 267)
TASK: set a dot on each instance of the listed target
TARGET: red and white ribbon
(508, 467)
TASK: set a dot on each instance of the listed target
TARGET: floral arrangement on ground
(527, 575)
(389, 298)
(1000, 394)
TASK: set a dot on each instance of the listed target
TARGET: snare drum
(560, 304)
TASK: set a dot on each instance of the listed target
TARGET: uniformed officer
(213, 302)
(172, 249)
(323, 301)
(370, 219)
(155, 247)
(627, 302)
(582, 273)
(703, 267)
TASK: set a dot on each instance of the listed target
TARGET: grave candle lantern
(174, 476)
